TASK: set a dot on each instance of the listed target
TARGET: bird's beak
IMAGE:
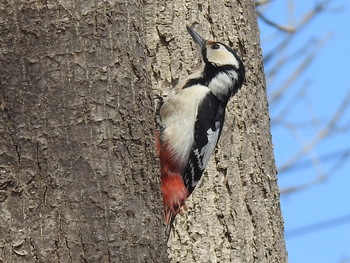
(196, 37)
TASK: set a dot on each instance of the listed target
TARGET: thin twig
(262, 2)
(276, 95)
(329, 157)
(271, 23)
(281, 116)
(293, 189)
(319, 136)
(285, 60)
(311, 154)
(320, 179)
(308, 17)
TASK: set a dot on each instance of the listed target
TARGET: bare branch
(308, 17)
(335, 155)
(279, 119)
(262, 2)
(293, 189)
(319, 136)
(304, 64)
(321, 178)
(271, 23)
(340, 220)
(305, 54)
(285, 60)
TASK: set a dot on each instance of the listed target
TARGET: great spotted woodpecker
(190, 120)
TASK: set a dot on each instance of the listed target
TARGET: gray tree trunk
(234, 214)
(78, 174)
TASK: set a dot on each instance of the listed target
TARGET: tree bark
(78, 173)
(234, 214)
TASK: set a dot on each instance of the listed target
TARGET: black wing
(207, 130)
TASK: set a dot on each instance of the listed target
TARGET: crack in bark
(37, 158)
(57, 248)
(44, 196)
(33, 250)
(12, 134)
(68, 248)
(224, 224)
(16, 146)
(62, 233)
(83, 256)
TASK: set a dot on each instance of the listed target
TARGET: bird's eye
(215, 46)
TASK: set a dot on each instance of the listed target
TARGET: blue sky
(317, 219)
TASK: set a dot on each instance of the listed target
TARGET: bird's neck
(223, 83)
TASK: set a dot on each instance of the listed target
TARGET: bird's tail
(169, 227)
(174, 196)
(174, 190)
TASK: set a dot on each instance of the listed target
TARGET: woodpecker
(190, 119)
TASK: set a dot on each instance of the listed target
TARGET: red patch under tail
(174, 190)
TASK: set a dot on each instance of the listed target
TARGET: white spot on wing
(204, 156)
(208, 149)
(193, 182)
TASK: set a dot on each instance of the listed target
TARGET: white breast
(179, 113)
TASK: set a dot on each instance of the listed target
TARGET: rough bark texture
(77, 165)
(234, 213)
(78, 173)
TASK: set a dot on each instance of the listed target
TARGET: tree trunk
(234, 214)
(78, 173)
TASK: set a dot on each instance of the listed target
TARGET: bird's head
(220, 62)
(215, 53)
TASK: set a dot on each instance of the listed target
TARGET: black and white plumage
(192, 117)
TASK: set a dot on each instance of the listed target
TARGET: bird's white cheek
(222, 58)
